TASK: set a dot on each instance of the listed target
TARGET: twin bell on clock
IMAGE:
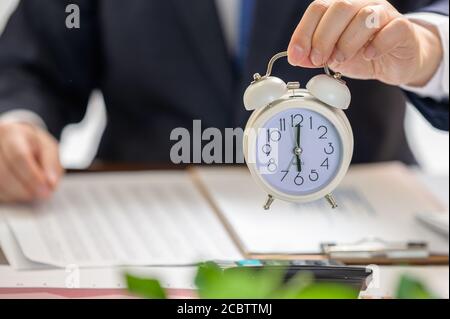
(298, 142)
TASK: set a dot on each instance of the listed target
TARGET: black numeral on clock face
(323, 130)
(285, 173)
(329, 149)
(296, 119)
(267, 149)
(325, 164)
(299, 180)
(314, 176)
(273, 135)
(282, 124)
(272, 166)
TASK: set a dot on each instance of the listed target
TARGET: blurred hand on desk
(29, 163)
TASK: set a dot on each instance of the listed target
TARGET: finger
(300, 45)
(20, 159)
(11, 189)
(388, 38)
(48, 157)
(356, 67)
(367, 22)
(330, 29)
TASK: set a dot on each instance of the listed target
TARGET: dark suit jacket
(163, 63)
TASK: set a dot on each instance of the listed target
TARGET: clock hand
(298, 149)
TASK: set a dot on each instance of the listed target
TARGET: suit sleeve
(435, 6)
(436, 112)
(45, 67)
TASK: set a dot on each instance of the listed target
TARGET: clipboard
(397, 254)
(371, 251)
(365, 251)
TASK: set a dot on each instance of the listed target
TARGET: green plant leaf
(147, 288)
(207, 279)
(244, 282)
(327, 291)
(302, 286)
(294, 286)
(241, 282)
(207, 273)
(410, 288)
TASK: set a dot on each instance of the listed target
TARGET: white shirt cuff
(24, 116)
(438, 87)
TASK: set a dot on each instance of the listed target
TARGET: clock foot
(269, 202)
(330, 199)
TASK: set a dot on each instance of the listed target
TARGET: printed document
(101, 219)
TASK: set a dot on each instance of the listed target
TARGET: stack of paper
(99, 220)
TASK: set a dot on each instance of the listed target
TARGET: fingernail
(333, 64)
(316, 58)
(370, 53)
(43, 191)
(338, 56)
(297, 55)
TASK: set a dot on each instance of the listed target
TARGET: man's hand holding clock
(366, 39)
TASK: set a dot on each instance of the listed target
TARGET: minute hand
(298, 149)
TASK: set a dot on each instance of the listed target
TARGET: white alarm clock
(298, 143)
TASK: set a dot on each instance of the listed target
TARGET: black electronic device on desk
(322, 270)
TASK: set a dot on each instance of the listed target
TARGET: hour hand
(299, 162)
(298, 149)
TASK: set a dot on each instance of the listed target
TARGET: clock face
(299, 151)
